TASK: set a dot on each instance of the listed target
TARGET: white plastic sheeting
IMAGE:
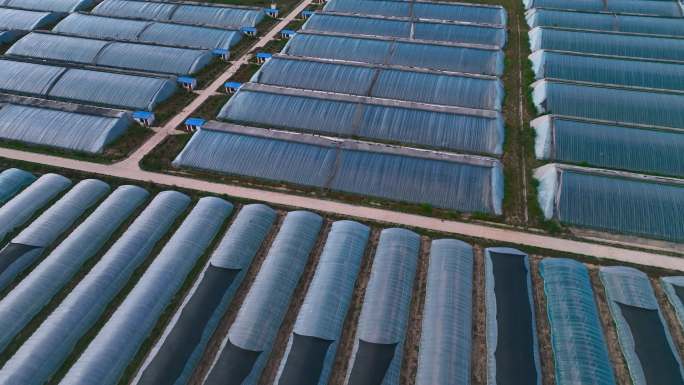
(619, 202)
(33, 198)
(61, 129)
(110, 352)
(47, 348)
(220, 16)
(45, 281)
(326, 303)
(131, 56)
(180, 349)
(50, 225)
(23, 20)
(449, 181)
(674, 289)
(62, 6)
(640, 7)
(579, 346)
(446, 339)
(86, 86)
(626, 286)
(12, 181)
(178, 35)
(386, 306)
(263, 309)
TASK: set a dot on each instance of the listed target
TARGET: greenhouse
(247, 346)
(458, 182)
(310, 353)
(218, 16)
(22, 20)
(49, 346)
(46, 280)
(539, 17)
(130, 56)
(452, 128)
(178, 35)
(608, 70)
(612, 201)
(445, 350)
(12, 181)
(17, 211)
(476, 13)
(60, 129)
(512, 347)
(645, 339)
(61, 6)
(381, 330)
(393, 51)
(577, 339)
(674, 289)
(637, 7)
(614, 104)
(622, 147)
(179, 351)
(391, 82)
(608, 43)
(407, 28)
(28, 247)
(111, 350)
(86, 86)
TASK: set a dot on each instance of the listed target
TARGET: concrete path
(363, 213)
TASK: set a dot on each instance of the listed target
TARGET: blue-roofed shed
(187, 82)
(307, 14)
(144, 118)
(261, 57)
(194, 124)
(249, 31)
(286, 33)
(222, 53)
(272, 12)
(232, 87)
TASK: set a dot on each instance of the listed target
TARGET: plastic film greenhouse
(674, 290)
(446, 337)
(612, 201)
(512, 345)
(178, 35)
(43, 353)
(109, 353)
(444, 180)
(180, 349)
(577, 339)
(313, 343)
(218, 16)
(644, 337)
(31, 243)
(50, 276)
(642, 7)
(23, 206)
(446, 56)
(434, 87)
(248, 344)
(12, 181)
(61, 6)
(451, 128)
(104, 53)
(379, 342)
(61, 129)
(477, 13)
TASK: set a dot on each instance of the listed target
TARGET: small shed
(144, 118)
(272, 12)
(262, 57)
(286, 33)
(223, 53)
(194, 124)
(232, 87)
(307, 14)
(187, 82)
(249, 31)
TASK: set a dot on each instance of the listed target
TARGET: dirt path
(543, 327)
(479, 355)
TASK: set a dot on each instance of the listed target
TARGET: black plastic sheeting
(679, 290)
(233, 366)
(515, 364)
(371, 363)
(13, 252)
(651, 345)
(305, 362)
(178, 346)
